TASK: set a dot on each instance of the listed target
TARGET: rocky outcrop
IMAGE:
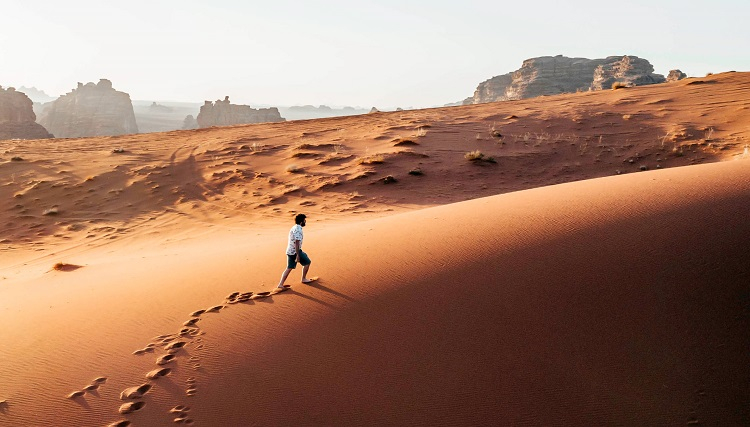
(552, 75)
(223, 113)
(675, 75)
(17, 118)
(628, 70)
(90, 110)
(189, 123)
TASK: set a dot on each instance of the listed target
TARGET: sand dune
(614, 299)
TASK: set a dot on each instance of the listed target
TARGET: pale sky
(387, 53)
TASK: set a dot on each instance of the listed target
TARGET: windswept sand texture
(137, 273)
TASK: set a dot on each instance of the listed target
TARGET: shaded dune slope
(619, 300)
(614, 301)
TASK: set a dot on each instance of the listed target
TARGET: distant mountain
(36, 95)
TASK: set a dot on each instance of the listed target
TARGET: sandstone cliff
(552, 75)
(90, 110)
(223, 113)
(17, 118)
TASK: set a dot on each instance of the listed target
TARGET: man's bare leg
(304, 274)
(284, 275)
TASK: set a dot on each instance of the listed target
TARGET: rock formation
(223, 113)
(552, 75)
(36, 95)
(90, 110)
(17, 118)
(189, 123)
(628, 70)
(675, 75)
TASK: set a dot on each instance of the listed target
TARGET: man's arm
(296, 246)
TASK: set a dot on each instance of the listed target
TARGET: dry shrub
(477, 156)
(619, 85)
(474, 155)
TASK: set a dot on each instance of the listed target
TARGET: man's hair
(299, 218)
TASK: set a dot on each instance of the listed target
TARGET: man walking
(294, 252)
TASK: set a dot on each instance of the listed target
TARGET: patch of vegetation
(619, 85)
(388, 179)
(294, 169)
(477, 157)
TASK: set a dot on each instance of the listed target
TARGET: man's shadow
(318, 285)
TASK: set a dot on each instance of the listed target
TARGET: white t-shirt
(294, 234)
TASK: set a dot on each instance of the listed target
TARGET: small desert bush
(293, 169)
(421, 131)
(618, 85)
(16, 159)
(119, 150)
(709, 134)
(477, 156)
(416, 172)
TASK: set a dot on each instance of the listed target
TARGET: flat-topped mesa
(17, 118)
(223, 113)
(90, 110)
(553, 75)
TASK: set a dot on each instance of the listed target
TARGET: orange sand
(448, 298)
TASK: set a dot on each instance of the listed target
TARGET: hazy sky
(386, 53)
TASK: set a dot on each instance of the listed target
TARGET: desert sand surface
(594, 272)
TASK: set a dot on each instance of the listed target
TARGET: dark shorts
(291, 260)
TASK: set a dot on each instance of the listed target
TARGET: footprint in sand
(121, 423)
(163, 360)
(260, 295)
(189, 331)
(233, 295)
(129, 407)
(143, 351)
(135, 392)
(77, 393)
(192, 321)
(100, 380)
(197, 313)
(157, 373)
(91, 387)
(181, 414)
(214, 309)
(175, 345)
(245, 296)
(279, 290)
